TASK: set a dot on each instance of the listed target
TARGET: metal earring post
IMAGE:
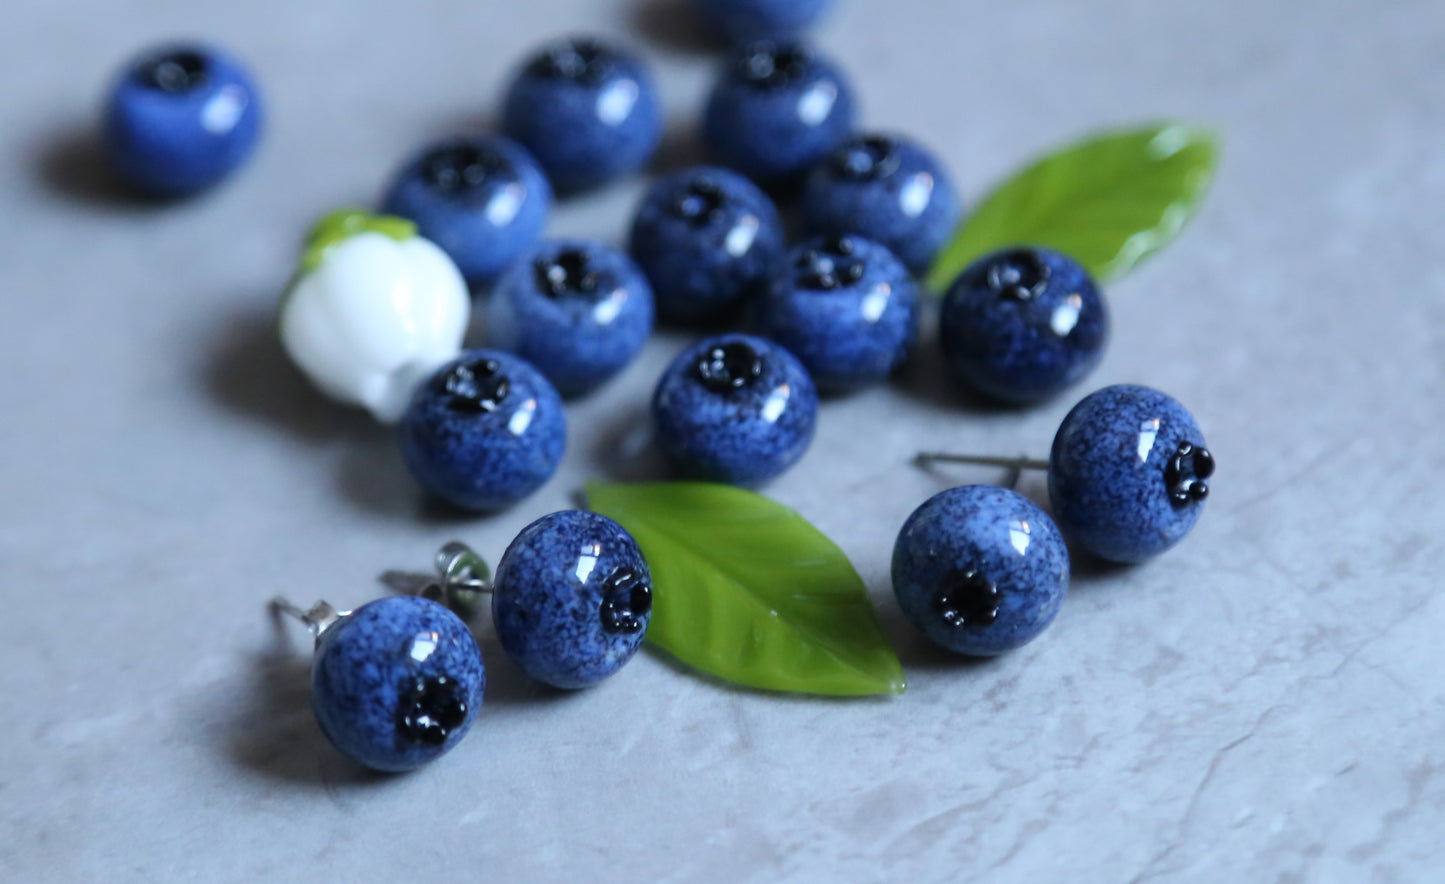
(318, 619)
(462, 578)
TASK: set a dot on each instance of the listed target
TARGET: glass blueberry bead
(888, 189)
(705, 237)
(1127, 473)
(845, 307)
(572, 599)
(735, 409)
(578, 310)
(777, 108)
(1023, 324)
(484, 431)
(180, 119)
(740, 20)
(588, 112)
(980, 570)
(483, 199)
(397, 682)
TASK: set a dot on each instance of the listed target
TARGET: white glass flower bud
(373, 310)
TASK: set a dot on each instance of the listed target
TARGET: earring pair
(397, 682)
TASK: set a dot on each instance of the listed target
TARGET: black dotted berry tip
(701, 204)
(769, 65)
(1185, 473)
(568, 274)
(967, 599)
(1018, 274)
(583, 60)
(728, 367)
(430, 709)
(626, 600)
(864, 158)
(461, 169)
(834, 264)
(476, 386)
(175, 72)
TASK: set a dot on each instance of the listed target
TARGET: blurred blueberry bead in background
(885, 188)
(484, 431)
(735, 409)
(482, 199)
(980, 570)
(577, 310)
(1126, 473)
(845, 307)
(1023, 324)
(777, 108)
(588, 112)
(181, 118)
(397, 682)
(705, 237)
(572, 599)
(738, 21)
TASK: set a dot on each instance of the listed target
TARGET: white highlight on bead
(374, 319)
(223, 110)
(817, 102)
(1148, 432)
(915, 194)
(615, 103)
(741, 237)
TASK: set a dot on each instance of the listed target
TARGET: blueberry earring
(1127, 472)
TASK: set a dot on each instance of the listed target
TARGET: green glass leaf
(746, 589)
(345, 223)
(1110, 201)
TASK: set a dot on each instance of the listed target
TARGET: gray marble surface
(1264, 703)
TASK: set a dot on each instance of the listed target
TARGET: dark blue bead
(181, 118)
(1127, 471)
(738, 21)
(777, 109)
(484, 431)
(705, 237)
(734, 409)
(578, 310)
(397, 682)
(572, 599)
(588, 112)
(885, 188)
(845, 307)
(980, 570)
(1023, 324)
(483, 199)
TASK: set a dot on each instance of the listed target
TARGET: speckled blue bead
(980, 570)
(1126, 473)
(888, 189)
(777, 109)
(181, 118)
(484, 431)
(578, 310)
(1023, 324)
(572, 598)
(482, 199)
(588, 111)
(705, 237)
(845, 307)
(738, 21)
(735, 409)
(397, 682)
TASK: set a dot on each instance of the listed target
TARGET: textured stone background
(1262, 704)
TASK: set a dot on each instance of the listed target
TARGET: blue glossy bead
(482, 199)
(181, 118)
(578, 310)
(738, 21)
(980, 570)
(1023, 324)
(888, 189)
(777, 109)
(572, 599)
(588, 112)
(735, 409)
(705, 237)
(397, 682)
(484, 431)
(1126, 473)
(845, 307)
